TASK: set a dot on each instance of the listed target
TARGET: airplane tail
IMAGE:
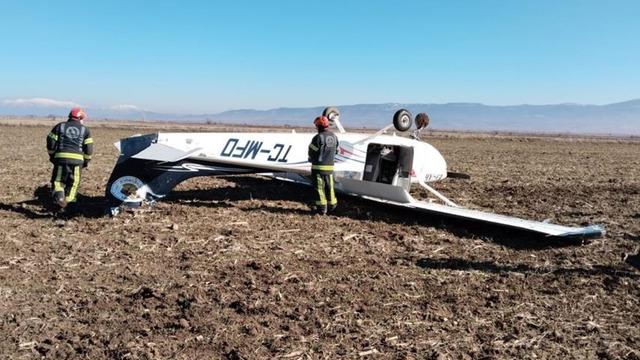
(148, 171)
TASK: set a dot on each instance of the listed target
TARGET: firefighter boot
(58, 199)
(321, 209)
(332, 207)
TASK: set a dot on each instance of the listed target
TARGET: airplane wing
(543, 228)
(399, 197)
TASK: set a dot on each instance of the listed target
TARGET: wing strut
(437, 194)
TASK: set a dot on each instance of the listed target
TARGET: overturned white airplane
(377, 167)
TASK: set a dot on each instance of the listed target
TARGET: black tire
(331, 113)
(422, 120)
(402, 120)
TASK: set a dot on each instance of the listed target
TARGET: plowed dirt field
(238, 268)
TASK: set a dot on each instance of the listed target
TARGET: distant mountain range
(617, 119)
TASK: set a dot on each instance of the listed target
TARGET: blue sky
(210, 56)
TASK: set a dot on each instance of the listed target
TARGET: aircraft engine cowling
(429, 165)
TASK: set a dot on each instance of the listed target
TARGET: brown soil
(237, 268)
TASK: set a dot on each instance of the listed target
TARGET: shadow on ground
(492, 267)
(258, 188)
(41, 207)
(634, 260)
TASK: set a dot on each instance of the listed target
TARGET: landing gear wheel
(422, 121)
(331, 113)
(402, 120)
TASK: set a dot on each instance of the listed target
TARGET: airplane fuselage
(287, 152)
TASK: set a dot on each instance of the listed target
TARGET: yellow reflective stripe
(322, 167)
(320, 188)
(88, 141)
(71, 197)
(57, 185)
(64, 155)
(87, 157)
(53, 136)
(332, 193)
(313, 147)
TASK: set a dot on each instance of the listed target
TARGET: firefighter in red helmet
(322, 150)
(70, 147)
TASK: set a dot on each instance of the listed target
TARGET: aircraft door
(389, 164)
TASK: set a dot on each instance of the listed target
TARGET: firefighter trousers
(65, 180)
(323, 184)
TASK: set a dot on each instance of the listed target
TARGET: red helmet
(77, 114)
(321, 122)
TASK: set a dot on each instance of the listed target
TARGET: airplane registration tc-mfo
(378, 167)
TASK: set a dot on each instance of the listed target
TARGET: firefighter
(70, 147)
(322, 150)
